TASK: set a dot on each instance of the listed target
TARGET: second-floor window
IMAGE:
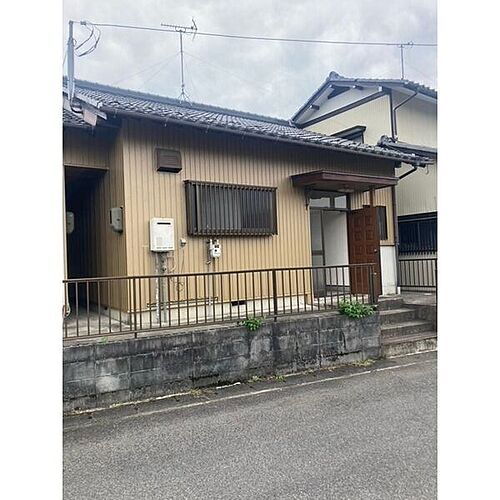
(215, 209)
(356, 133)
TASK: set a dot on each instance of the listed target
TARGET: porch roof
(342, 182)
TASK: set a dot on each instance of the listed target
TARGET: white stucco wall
(389, 272)
(336, 249)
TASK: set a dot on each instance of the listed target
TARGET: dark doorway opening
(81, 185)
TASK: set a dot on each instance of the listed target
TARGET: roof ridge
(334, 76)
(86, 84)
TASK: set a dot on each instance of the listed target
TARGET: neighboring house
(400, 115)
(273, 195)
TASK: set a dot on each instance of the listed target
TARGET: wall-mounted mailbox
(116, 219)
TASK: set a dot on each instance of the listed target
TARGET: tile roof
(409, 84)
(122, 101)
(72, 120)
(389, 142)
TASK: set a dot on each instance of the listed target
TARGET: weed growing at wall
(252, 324)
(355, 309)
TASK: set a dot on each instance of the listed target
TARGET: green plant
(280, 378)
(355, 309)
(252, 324)
(366, 362)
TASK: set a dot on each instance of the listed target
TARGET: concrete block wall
(123, 370)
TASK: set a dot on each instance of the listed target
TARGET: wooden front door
(364, 248)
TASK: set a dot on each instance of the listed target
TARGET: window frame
(421, 245)
(251, 223)
(383, 229)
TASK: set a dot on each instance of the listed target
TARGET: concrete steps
(402, 331)
(399, 315)
(405, 328)
(421, 342)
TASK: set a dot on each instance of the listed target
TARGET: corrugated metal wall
(221, 158)
(133, 182)
(102, 251)
(83, 148)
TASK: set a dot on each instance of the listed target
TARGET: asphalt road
(350, 433)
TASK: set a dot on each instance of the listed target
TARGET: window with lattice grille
(215, 209)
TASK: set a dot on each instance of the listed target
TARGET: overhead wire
(162, 66)
(93, 29)
(147, 68)
(268, 38)
(220, 68)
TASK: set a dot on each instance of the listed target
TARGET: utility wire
(147, 68)
(162, 66)
(217, 67)
(268, 38)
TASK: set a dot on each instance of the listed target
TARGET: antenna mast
(182, 30)
(402, 46)
(71, 63)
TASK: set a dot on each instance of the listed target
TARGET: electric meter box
(214, 249)
(161, 235)
(116, 219)
(70, 222)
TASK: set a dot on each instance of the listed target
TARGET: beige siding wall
(374, 115)
(222, 158)
(84, 149)
(417, 193)
(416, 121)
(417, 124)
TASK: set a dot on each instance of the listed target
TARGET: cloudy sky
(272, 78)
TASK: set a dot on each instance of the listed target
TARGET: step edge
(408, 339)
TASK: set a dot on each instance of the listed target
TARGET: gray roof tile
(118, 100)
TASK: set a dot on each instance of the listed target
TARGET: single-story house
(158, 185)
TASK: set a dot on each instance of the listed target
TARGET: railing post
(275, 294)
(373, 277)
(134, 301)
(436, 277)
(370, 284)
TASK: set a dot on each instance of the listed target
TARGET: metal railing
(418, 274)
(96, 307)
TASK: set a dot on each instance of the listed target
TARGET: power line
(268, 38)
(162, 66)
(217, 67)
(147, 68)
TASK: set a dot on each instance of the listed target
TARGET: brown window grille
(215, 209)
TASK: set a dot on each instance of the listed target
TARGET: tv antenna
(182, 30)
(402, 46)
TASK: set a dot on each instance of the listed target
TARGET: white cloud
(264, 77)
